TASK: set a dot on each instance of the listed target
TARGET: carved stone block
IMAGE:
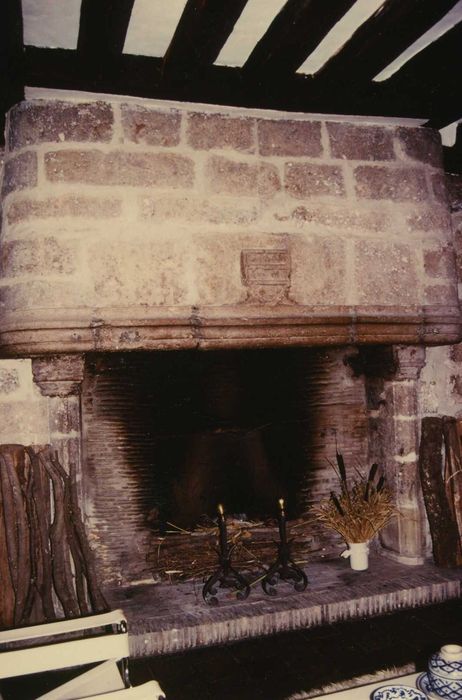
(266, 274)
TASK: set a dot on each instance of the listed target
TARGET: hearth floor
(291, 665)
(165, 619)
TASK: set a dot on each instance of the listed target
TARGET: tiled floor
(275, 668)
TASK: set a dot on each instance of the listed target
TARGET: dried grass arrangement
(362, 507)
(186, 555)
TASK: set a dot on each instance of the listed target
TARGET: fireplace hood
(150, 225)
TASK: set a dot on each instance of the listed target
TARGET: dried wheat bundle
(361, 508)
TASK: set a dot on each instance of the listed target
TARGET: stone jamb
(59, 377)
(396, 417)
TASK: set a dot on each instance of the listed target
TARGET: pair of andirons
(227, 577)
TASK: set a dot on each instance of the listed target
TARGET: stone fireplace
(170, 269)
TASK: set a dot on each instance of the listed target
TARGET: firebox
(168, 436)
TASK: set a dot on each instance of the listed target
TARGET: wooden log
(7, 597)
(62, 573)
(97, 599)
(72, 540)
(8, 515)
(452, 429)
(443, 528)
(43, 544)
(33, 598)
(42, 520)
(14, 462)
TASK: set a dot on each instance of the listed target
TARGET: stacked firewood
(182, 555)
(46, 565)
(452, 432)
(442, 486)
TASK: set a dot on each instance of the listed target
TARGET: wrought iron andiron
(225, 576)
(284, 568)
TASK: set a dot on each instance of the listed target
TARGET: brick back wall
(140, 426)
(114, 207)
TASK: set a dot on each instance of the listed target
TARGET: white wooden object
(147, 691)
(59, 645)
(105, 677)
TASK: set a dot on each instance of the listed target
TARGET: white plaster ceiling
(249, 28)
(51, 23)
(55, 23)
(152, 26)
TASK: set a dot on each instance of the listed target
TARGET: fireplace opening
(229, 436)
(206, 428)
(169, 435)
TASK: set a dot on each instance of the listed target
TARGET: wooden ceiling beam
(448, 113)
(201, 33)
(11, 54)
(381, 39)
(293, 35)
(11, 58)
(141, 76)
(430, 79)
(452, 155)
(103, 27)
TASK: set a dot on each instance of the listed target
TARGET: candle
(282, 521)
(222, 528)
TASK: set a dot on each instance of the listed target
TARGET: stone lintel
(41, 332)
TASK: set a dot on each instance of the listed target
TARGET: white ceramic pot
(358, 552)
(445, 672)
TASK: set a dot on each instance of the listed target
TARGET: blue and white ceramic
(397, 692)
(447, 662)
(423, 684)
(445, 672)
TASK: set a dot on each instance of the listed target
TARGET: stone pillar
(59, 377)
(398, 425)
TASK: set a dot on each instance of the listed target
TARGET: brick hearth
(168, 619)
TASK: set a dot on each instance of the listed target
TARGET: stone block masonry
(137, 215)
(23, 411)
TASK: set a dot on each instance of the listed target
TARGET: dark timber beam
(11, 58)
(293, 35)
(452, 158)
(449, 108)
(103, 27)
(381, 39)
(202, 31)
(451, 113)
(431, 79)
(142, 76)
